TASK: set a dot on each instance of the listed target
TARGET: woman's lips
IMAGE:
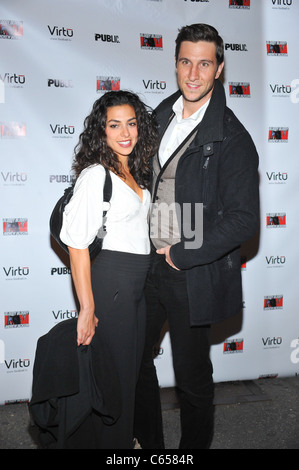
(125, 143)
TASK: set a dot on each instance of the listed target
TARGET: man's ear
(219, 70)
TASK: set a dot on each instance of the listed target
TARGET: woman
(120, 135)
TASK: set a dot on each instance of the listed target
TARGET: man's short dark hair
(200, 32)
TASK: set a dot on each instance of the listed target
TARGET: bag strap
(107, 188)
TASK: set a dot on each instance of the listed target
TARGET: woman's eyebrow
(117, 120)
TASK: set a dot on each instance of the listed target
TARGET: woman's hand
(86, 325)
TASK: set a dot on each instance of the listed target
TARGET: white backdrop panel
(53, 56)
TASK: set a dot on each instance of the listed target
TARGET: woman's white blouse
(126, 220)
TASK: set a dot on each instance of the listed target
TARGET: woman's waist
(124, 261)
(129, 241)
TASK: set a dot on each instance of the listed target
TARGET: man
(206, 161)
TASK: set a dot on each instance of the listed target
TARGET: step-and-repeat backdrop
(56, 58)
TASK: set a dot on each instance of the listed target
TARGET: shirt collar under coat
(211, 127)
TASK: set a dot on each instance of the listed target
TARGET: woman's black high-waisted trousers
(118, 280)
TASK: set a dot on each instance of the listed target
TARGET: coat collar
(211, 127)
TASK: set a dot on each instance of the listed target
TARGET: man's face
(197, 70)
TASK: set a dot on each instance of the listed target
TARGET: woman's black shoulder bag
(57, 213)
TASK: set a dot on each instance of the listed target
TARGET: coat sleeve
(237, 217)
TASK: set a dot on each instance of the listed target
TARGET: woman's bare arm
(87, 321)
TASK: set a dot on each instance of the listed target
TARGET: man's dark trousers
(166, 297)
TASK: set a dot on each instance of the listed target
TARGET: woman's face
(121, 129)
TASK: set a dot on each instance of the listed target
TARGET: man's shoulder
(231, 122)
(234, 129)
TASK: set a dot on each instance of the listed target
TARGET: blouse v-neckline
(128, 186)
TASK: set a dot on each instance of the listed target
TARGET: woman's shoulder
(93, 170)
(93, 175)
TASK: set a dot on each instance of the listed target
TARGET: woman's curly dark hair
(92, 146)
